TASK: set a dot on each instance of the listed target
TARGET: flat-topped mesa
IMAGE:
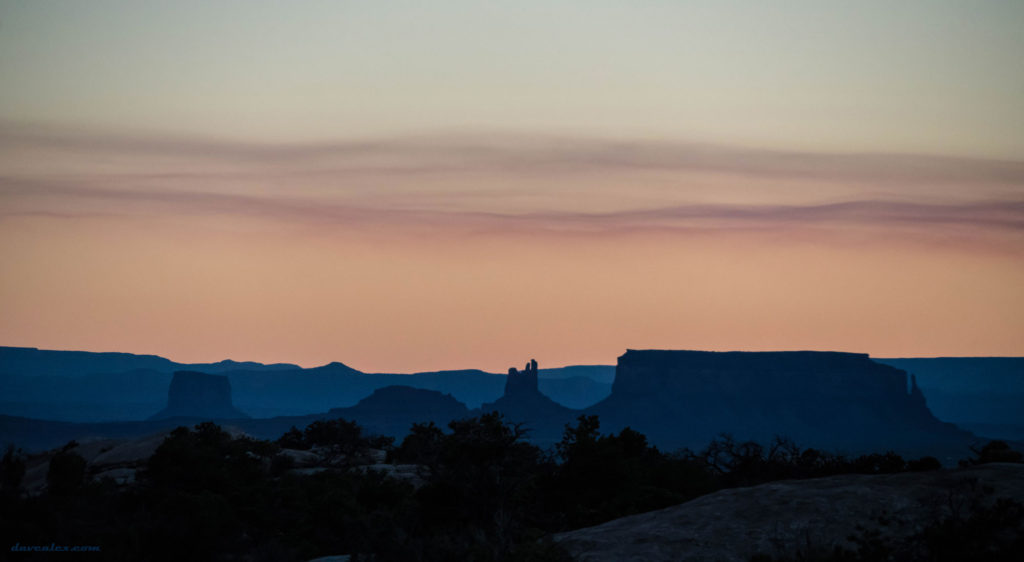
(522, 382)
(199, 395)
(820, 399)
(771, 373)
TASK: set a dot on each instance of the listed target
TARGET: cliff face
(822, 399)
(780, 375)
(982, 394)
(199, 395)
(522, 383)
(524, 403)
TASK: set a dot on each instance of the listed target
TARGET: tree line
(486, 492)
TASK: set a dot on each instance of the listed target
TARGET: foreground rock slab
(781, 519)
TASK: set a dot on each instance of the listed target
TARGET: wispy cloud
(1005, 216)
(504, 184)
(447, 153)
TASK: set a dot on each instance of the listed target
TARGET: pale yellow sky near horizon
(406, 188)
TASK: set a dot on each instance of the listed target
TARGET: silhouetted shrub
(482, 489)
(66, 472)
(995, 451)
(604, 477)
(206, 458)
(421, 446)
(346, 435)
(875, 463)
(923, 464)
(336, 440)
(12, 470)
(487, 494)
(292, 439)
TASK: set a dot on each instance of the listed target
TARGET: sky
(409, 186)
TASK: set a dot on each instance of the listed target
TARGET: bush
(206, 458)
(337, 440)
(923, 464)
(12, 471)
(421, 446)
(66, 473)
(482, 496)
(487, 493)
(292, 439)
(609, 476)
(995, 451)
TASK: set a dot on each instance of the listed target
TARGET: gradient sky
(407, 186)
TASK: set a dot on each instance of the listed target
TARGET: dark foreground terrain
(414, 474)
(922, 516)
(477, 490)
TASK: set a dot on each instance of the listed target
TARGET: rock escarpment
(393, 409)
(524, 403)
(199, 395)
(838, 401)
(981, 394)
(399, 400)
(522, 383)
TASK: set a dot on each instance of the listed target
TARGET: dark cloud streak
(38, 195)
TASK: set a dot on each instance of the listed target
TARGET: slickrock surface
(782, 518)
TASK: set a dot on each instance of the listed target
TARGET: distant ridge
(842, 402)
(334, 367)
(84, 386)
(979, 394)
(31, 361)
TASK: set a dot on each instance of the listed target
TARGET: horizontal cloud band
(504, 183)
(444, 153)
(1008, 215)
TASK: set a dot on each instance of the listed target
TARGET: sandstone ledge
(779, 518)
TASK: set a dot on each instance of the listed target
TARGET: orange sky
(423, 254)
(409, 186)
